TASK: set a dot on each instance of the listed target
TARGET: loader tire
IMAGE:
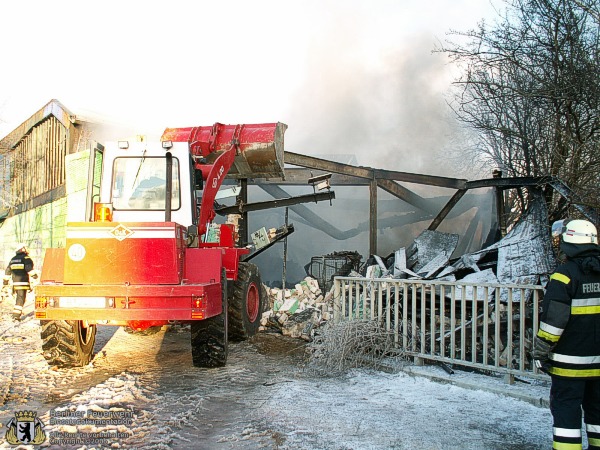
(246, 303)
(67, 343)
(209, 336)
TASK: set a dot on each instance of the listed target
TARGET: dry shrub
(347, 345)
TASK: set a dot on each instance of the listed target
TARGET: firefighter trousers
(21, 295)
(568, 397)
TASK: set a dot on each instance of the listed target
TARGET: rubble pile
(297, 312)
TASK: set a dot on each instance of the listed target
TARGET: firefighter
(567, 345)
(19, 267)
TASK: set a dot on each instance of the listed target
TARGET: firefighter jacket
(570, 319)
(19, 267)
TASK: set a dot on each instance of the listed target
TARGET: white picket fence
(484, 326)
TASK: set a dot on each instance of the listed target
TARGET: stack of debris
(297, 312)
(234, 219)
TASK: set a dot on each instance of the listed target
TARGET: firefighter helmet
(21, 247)
(575, 231)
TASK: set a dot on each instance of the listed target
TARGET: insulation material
(526, 250)
(435, 265)
(517, 294)
(298, 312)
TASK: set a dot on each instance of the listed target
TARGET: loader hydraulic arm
(238, 151)
(216, 174)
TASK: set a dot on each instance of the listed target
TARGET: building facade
(44, 166)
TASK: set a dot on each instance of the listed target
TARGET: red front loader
(151, 254)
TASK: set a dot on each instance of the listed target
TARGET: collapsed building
(478, 309)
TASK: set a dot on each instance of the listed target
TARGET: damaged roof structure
(523, 255)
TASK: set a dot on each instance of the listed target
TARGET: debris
(486, 276)
(399, 263)
(233, 220)
(523, 256)
(260, 238)
(430, 251)
(298, 312)
(289, 306)
(302, 325)
(446, 368)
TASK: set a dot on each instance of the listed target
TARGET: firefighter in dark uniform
(19, 267)
(567, 345)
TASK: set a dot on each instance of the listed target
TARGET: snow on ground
(261, 400)
(403, 412)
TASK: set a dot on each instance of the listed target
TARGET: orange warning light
(102, 212)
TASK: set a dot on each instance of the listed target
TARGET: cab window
(139, 183)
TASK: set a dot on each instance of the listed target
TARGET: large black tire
(209, 336)
(246, 303)
(67, 343)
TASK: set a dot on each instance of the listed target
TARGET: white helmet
(21, 246)
(576, 231)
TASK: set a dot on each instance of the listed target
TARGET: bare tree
(530, 88)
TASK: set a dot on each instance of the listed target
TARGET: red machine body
(146, 260)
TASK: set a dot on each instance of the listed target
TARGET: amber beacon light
(102, 212)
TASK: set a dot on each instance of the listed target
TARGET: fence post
(336, 300)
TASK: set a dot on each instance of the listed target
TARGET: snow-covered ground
(263, 399)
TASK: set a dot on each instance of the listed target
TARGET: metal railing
(479, 325)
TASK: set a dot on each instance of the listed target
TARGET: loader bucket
(260, 146)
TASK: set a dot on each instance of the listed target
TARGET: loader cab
(134, 182)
